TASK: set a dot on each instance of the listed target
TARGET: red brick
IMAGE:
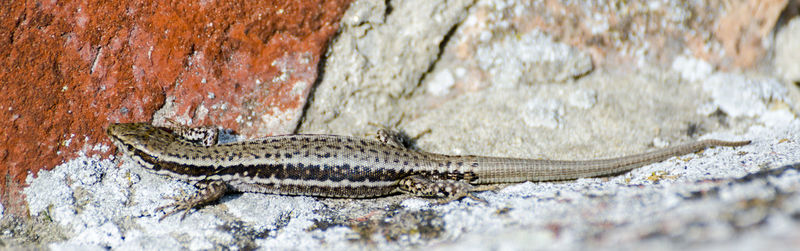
(70, 68)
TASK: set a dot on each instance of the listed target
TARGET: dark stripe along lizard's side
(344, 167)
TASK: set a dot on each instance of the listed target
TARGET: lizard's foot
(443, 191)
(392, 137)
(396, 138)
(202, 135)
(212, 192)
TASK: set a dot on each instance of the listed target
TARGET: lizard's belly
(320, 189)
(332, 179)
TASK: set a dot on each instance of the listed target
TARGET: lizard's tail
(507, 170)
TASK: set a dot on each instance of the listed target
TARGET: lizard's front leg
(211, 192)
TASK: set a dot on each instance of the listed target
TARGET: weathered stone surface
(726, 35)
(743, 29)
(382, 54)
(70, 68)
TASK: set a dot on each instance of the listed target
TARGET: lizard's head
(131, 137)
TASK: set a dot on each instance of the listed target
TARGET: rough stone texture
(358, 90)
(646, 32)
(381, 55)
(70, 68)
(540, 121)
(744, 27)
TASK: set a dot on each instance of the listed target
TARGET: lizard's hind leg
(442, 190)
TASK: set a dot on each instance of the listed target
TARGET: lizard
(344, 166)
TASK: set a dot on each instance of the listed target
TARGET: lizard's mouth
(113, 134)
(121, 146)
